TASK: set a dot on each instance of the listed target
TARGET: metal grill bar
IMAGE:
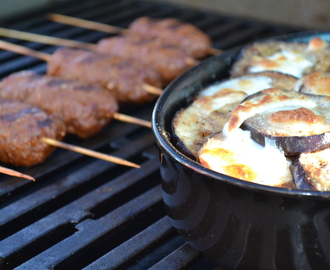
(83, 213)
(90, 231)
(132, 248)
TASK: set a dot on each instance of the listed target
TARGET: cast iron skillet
(237, 224)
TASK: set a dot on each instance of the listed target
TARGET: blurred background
(310, 14)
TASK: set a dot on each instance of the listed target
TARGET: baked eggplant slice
(311, 171)
(204, 117)
(296, 59)
(207, 115)
(241, 157)
(298, 122)
(316, 83)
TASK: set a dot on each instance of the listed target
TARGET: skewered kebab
(85, 109)
(79, 90)
(97, 103)
(186, 36)
(168, 60)
(22, 128)
(125, 78)
(28, 135)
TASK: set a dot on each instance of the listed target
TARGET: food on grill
(283, 125)
(317, 83)
(22, 128)
(204, 117)
(241, 157)
(84, 109)
(194, 41)
(296, 59)
(252, 83)
(297, 122)
(167, 59)
(212, 108)
(124, 77)
(312, 170)
(184, 35)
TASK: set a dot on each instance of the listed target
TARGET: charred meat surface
(297, 59)
(123, 77)
(167, 59)
(84, 109)
(22, 127)
(194, 41)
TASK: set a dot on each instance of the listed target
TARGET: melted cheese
(249, 85)
(271, 100)
(288, 62)
(204, 117)
(289, 121)
(317, 44)
(240, 157)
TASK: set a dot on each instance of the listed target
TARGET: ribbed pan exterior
(237, 224)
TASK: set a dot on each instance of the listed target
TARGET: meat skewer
(168, 60)
(84, 109)
(125, 78)
(15, 173)
(28, 134)
(196, 43)
(22, 127)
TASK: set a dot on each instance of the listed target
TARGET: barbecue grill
(83, 213)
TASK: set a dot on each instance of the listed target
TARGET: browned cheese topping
(291, 117)
(265, 100)
(315, 83)
(317, 44)
(237, 170)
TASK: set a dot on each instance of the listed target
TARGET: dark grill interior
(84, 213)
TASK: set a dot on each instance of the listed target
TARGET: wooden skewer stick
(86, 24)
(46, 57)
(152, 89)
(101, 27)
(60, 41)
(89, 152)
(45, 39)
(15, 173)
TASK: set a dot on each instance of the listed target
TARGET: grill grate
(83, 213)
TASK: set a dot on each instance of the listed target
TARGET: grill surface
(83, 213)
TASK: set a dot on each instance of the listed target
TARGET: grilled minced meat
(21, 128)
